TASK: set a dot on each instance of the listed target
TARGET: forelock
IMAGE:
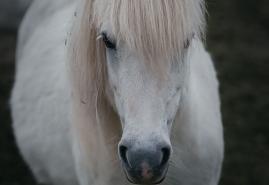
(153, 28)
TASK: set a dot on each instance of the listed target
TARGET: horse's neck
(41, 15)
(40, 10)
(48, 7)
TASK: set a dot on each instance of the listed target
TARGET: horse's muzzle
(144, 166)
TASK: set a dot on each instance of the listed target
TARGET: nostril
(123, 151)
(166, 155)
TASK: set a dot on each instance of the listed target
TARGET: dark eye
(109, 44)
(187, 44)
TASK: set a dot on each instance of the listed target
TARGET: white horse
(132, 98)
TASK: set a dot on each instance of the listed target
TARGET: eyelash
(109, 44)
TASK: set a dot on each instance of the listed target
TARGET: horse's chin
(159, 181)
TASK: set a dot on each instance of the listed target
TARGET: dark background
(238, 38)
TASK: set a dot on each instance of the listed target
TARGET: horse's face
(147, 105)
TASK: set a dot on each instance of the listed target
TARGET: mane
(155, 29)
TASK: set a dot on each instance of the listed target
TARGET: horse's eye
(187, 44)
(109, 44)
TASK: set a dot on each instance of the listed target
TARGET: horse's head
(146, 102)
(146, 44)
(146, 49)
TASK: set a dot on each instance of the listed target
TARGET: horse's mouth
(154, 181)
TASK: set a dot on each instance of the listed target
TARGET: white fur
(42, 108)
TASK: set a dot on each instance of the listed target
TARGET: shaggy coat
(68, 119)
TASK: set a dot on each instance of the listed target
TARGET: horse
(117, 92)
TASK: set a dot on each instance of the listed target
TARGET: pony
(117, 92)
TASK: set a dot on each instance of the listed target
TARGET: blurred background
(238, 39)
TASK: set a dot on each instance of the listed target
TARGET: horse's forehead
(155, 28)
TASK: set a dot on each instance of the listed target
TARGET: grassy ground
(238, 39)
